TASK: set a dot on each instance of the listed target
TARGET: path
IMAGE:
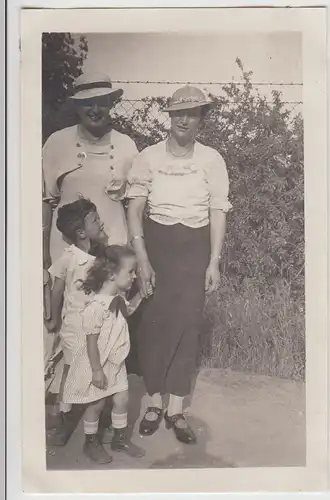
(240, 421)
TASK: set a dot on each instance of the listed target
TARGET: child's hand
(99, 379)
(150, 292)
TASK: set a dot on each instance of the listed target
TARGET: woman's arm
(98, 377)
(135, 213)
(135, 226)
(56, 304)
(218, 231)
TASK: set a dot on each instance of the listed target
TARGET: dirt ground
(240, 421)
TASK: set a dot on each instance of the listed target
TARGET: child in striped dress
(97, 369)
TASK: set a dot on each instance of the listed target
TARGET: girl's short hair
(105, 265)
(71, 217)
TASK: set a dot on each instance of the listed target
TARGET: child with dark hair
(80, 224)
(97, 369)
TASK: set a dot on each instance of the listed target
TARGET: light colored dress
(71, 267)
(113, 343)
(76, 165)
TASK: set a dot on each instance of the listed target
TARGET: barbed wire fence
(130, 109)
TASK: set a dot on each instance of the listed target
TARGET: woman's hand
(99, 379)
(212, 277)
(147, 277)
(53, 324)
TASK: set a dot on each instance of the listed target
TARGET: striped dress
(113, 344)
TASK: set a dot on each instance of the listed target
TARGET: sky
(273, 57)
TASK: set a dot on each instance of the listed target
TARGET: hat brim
(189, 105)
(97, 92)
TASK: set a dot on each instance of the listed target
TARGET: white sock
(175, 405)
(155, 400)
(91, 427)
(119, 420)
(65, 407)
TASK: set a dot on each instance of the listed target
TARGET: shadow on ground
(193, 456)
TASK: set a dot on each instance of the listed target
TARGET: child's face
(126, 275)
(94, 228)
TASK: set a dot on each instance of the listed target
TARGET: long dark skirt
(171, 320)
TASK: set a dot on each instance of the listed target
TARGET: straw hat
(188, 97)
(89, 85)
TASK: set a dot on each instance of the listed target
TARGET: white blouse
(180, 190)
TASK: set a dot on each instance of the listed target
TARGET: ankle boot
(94, 450)
(121, 442)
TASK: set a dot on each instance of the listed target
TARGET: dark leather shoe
(184, 434)
(94, 450)
(64, 429)
(149, 427)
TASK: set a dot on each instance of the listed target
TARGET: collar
(87, 137)
(104, 299)
(81, 256)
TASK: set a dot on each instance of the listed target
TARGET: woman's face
(94, 114)
(184, 123)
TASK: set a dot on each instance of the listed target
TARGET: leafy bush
(62, 62)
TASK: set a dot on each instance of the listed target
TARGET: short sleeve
(59, 269)
(218, 183)
(131, 151)
(139, 177)
(93, 318)
(50, 150)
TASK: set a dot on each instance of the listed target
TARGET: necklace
(179, 156)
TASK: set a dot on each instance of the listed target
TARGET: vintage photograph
(173, 250)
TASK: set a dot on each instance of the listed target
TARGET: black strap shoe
(149, 427)
(184, 434)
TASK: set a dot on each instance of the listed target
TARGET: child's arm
(56, 305)
(98, 377)
(92, 324)
(136, 301)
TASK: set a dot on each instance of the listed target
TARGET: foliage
(254, 331)
(62, 61)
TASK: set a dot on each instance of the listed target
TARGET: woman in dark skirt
(185, 185)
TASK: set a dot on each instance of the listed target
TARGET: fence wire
(130, 109)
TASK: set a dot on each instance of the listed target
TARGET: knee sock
(119, 420)
(91, 427)
(175, 405)
(65, 407)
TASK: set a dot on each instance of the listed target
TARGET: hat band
(184, 100)
(93, 85)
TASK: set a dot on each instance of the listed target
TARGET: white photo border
(312, 23)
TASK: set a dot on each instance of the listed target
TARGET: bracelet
(137, 238)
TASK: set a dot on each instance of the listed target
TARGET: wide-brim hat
(89, 85)
(188, 97)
